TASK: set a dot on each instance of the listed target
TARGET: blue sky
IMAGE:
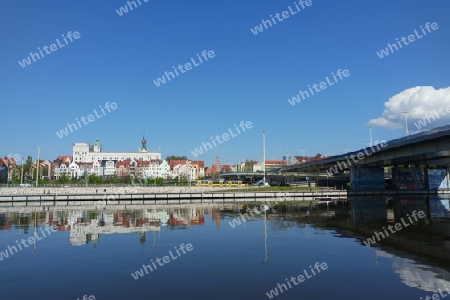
(251, 77)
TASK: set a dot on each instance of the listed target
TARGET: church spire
(144, 143)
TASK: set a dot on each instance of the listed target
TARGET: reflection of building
(182, 217)
(5, 221)
(158, 214)
(216, 216)
(426, 278)
(87, 227)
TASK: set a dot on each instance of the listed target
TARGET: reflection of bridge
(421, 153)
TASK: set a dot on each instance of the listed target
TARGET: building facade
(84, 152)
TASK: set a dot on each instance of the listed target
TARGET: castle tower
(216, 168)
(97, 146)
(144, 145)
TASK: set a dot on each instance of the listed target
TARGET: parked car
(261, 183)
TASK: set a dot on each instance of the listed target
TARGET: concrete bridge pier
(426, 177)
(367, 178)
(408, 178)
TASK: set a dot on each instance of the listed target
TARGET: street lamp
(406, 122)
(21, 174)
(264, 157)
(86, 175)
(303, 151)
(37, 166)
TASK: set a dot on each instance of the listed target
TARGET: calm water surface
(101, 253)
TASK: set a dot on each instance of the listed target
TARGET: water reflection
(266, 252)
(413, 274)
(418, 254)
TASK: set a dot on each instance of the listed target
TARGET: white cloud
(383, 122)
(420, 102)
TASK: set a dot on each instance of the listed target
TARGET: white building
(147, 169)
(62, 170)
(83, 152)
(107, 168)
(155, 169)
(248, 167)
(73, 171)
(184, 170)
(164, 169)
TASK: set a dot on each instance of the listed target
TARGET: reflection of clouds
(427, 278)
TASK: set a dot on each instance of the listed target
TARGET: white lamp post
(37, 166)
(264, 157)
(406, 122)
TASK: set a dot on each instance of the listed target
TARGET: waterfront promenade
(108, 190)
(150, 195)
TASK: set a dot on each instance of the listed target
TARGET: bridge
(415, 162)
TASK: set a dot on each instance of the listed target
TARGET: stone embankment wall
(111, 190)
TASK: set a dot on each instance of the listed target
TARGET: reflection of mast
(19, 223)
(35, 233)
(189, 218)
(143, 238)
(266, 258)
(155, 244)
(376, 258)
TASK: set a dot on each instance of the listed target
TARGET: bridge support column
(367, 179)
(408, 178)
(426, 178)
(437, 178)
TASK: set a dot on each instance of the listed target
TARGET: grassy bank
(270, 189)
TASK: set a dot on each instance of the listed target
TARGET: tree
(175, 157)
(183, 178)
(94, 179)
(126, 179)
(43, 170)
(27, 168)
(114, 179)
(15, 175)
(63, 179)
(153, 180)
